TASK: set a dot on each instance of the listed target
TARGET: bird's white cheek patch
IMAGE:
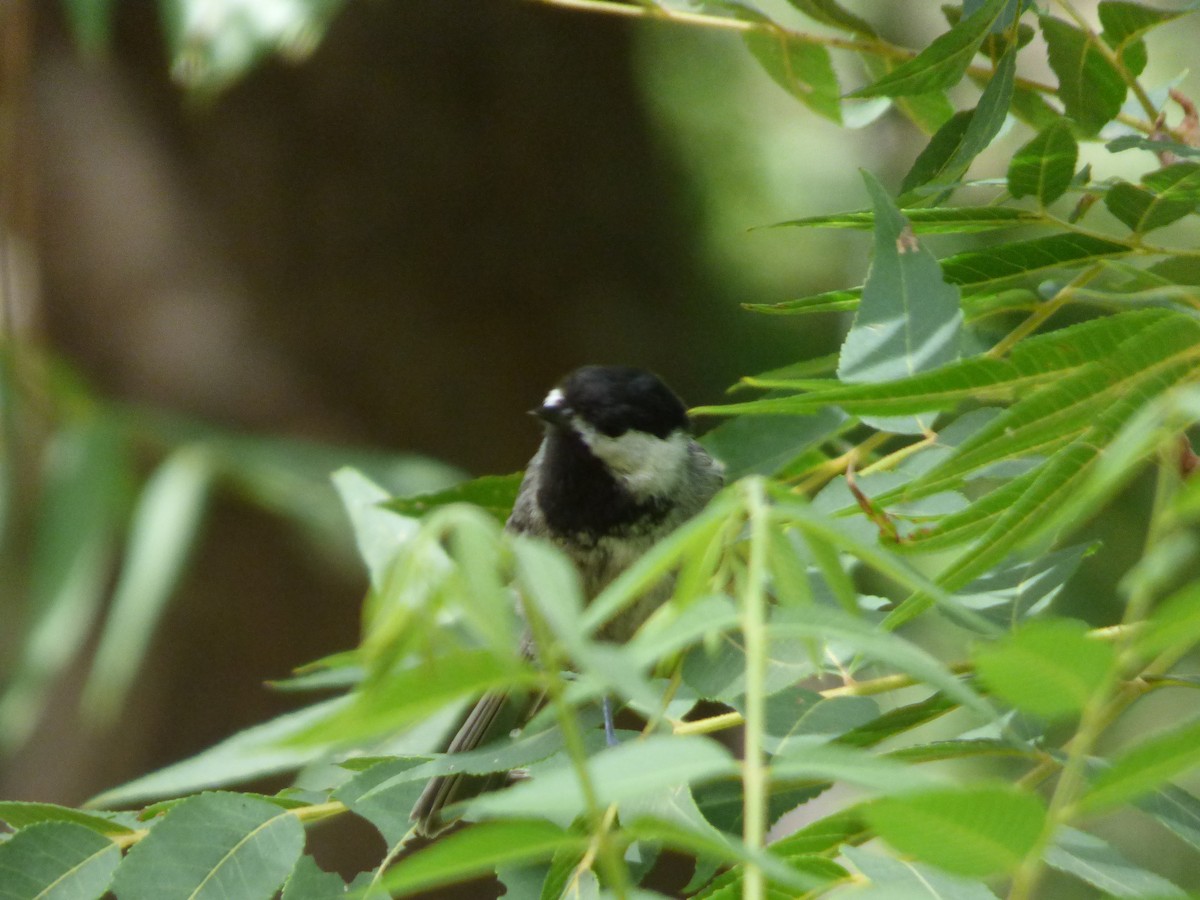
(642, 462)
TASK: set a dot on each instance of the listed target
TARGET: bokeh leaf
(1048, 668)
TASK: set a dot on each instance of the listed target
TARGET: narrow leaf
(942, 63)
(477, 850)
(164, 529)
(627, 771)
(937, 220)
(1094, 861)
(1144, 768)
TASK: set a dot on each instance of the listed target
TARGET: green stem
(754, 771)
(606, 851)
(1044, 312)
(1108, 699)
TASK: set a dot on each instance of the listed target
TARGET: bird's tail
(495, 715)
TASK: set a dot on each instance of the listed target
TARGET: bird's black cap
(615, 399)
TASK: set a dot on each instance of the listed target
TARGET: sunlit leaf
(909, 319)
(1048, 667)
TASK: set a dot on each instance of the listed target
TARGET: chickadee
(616, 471)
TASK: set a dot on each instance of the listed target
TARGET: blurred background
(230, 271)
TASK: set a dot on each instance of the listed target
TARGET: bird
(616, 471)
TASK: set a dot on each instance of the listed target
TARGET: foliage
(936, 475)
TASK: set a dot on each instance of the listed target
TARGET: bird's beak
(557, 415)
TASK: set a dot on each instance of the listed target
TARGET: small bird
(616, 471)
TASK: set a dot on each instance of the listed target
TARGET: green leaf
(1177, 810)
(829, 301)
(749, 446)
(989, 269)
(1176, 182)
(933, 161)
(909, 319)
(1094, 861)
(1125, 24)
(896, 879)
(986, 271)
(981, 128)
(1090, 88)
(404, 697)
(942, 63)
(802, 68)
(493, 493)
(56, 861)
(975, 831)
(211, 847)
(833, 625)
(309, 882)
(20, 815)
(627, 771)
(928, 111)
(164, 529)
(1146, 767)
(1175, 624)
(898, 721)
(1034, 362)
(378, 532)
(938, 220)
(256, 752)
(478, 850)
(1141, 210)
(1044, 167)
(820, 761)
(1048, 667)
(382, 799)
